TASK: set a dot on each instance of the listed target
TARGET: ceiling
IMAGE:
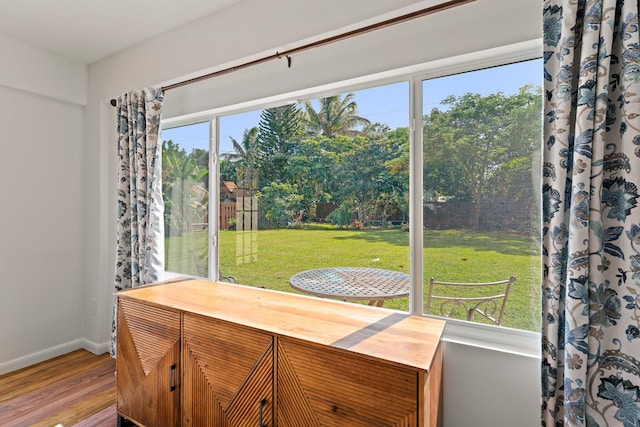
(88, 30)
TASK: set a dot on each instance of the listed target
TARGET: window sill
(506, 340)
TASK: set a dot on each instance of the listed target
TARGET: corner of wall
(37, 71)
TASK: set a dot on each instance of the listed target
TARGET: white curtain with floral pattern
(140, 225)
(591, 229)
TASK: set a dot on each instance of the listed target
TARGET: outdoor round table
(353, 283)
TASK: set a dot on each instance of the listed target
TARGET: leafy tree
(515, 178)
(341, 216)
(399, 169)
(172, 155)
(336, 116)
(337, 144)
(227, 170)
(366, 176)
(281, 203)
(310, 171)
(441, 174)
(201, 158)
(477, 145)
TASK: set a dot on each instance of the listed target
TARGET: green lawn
(269, 257)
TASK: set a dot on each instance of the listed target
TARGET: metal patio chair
(489, 306)
(202, 269)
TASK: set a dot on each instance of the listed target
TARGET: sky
(387, 104)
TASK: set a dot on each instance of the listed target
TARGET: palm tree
(246, 153)
(246, 159)
(184, 189)
(335, 117)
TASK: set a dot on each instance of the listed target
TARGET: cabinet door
(320, 386)
(147, 363)
(227, 374)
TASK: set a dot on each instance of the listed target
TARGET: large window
(316, 184)
(326, 183)
(185, 191)
(481, 136)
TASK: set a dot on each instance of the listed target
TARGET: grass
(269, 257)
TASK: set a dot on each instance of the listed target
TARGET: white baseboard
(95, 348)
(49, 353)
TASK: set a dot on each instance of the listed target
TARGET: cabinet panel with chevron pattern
(147, 361)
(227, 374)
(318, 386)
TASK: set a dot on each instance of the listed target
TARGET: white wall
(479, 389)
(485, 388)
(42, 204)
(39, 72)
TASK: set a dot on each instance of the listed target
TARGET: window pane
(482, 136)
(185, 190)
(315, 185)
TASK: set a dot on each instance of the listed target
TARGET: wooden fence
(227, 212)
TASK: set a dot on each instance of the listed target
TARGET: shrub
(356, 225)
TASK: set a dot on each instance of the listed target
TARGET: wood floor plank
(29, 379)
(104, 418)
(47, 364)
(77, 385)
(83, 410)
(12, 381)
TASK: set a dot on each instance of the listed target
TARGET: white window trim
(416, 205)
(513, 341)
(214, 202)
(495, 338)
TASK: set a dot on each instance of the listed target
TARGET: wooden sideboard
(194, 352)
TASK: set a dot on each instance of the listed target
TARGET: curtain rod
(343, 36)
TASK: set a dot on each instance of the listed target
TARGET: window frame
(515, 341)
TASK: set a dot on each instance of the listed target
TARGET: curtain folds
(591, 217)
(140, 225)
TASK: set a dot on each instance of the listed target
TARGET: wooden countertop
(375, 332)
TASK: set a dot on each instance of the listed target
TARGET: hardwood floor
(76, 389)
